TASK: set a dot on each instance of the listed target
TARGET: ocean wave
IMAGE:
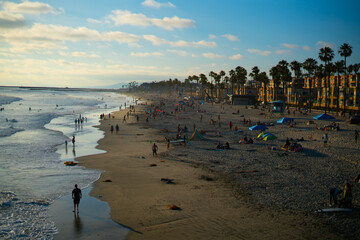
(5, 132)
(8, 99)
(27, 219)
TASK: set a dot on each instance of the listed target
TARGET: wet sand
(92, 222)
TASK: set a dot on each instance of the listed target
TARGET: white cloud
(307, 48)
(325, 44)
(146, 54)
(12, 14)
(155, 4)
(182, 53)
(180, 43)
(79, 54)
(27, 7)
(213, 55)
(120, 37)
(230, 37)
(282, 51)
(34, 47)
(42, 32)
(10, 20)
(218, 56)
(91, 20)
(257, 51)
(291, 46)
(46, 33)
(236, 57)
(212, 36)
(126, 17)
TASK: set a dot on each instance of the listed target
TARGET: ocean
(34, 126)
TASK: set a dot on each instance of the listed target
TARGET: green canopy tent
(196, 136)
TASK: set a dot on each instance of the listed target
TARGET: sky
(99, 43)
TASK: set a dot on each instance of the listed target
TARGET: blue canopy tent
(324, 116)
(257, 127)
(284, 120)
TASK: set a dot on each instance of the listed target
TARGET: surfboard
(326, 210)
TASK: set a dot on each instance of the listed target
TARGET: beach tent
(257, 127)
(269, 136)
(284, 120)
(324, 116)
(196, 136)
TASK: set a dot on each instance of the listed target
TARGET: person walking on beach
(73, 140)
(154, 149)
(325, 139)
(356, 135)
(117, 128)
(230, 125)
(76, 196)
(167, 143)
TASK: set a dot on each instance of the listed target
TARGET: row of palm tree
(280, 73)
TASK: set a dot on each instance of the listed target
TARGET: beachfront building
(273, 92)
(337, 90)
(302, 92)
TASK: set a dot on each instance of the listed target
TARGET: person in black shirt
(76, 195)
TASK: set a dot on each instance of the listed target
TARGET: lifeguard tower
(277, 106)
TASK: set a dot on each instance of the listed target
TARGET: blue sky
(100, 43)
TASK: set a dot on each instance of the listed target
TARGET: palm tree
(203, 81)
(263, 80)
(285, 76)
(326, 54)
(217, 78)
(221, 74)
(338, 68)
(196, 79)
(187, 83)
(310, 65)
(296, 67)
(345, 51)
(232, 79)
(356, 68)
(275, 74)
(240, 75)
(319, 75)
(226, 82)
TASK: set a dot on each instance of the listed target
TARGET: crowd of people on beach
(161, 111)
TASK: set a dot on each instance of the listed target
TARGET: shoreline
(210, 209)
(92, 222)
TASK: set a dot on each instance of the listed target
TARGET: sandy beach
(247, 192)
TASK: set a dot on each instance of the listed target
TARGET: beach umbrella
(269, 137)
(261, 135)
(257, 127)
(267, 134)
(324, 116)
(284, 120)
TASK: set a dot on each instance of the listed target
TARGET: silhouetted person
(76, 195)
